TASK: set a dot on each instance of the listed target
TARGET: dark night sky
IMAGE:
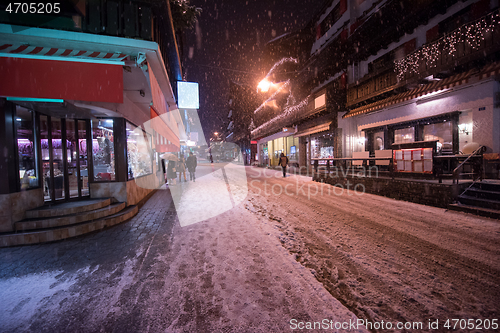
(227, 45)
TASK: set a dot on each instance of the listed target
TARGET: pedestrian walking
(283, 162)
(181, 168)
(191, 164)
(171, 172)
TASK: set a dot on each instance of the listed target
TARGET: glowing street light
(264, 85)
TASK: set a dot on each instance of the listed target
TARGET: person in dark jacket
(181, 168)
(171, 172)
(283, 162)
(191, 164)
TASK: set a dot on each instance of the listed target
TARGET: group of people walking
(179, 167)
(191, 163)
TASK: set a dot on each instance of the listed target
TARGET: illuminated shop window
(26, 148)
(443, 133)
(404, 135)
(103, 149)
(139, 153)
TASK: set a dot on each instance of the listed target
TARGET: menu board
(418, 160)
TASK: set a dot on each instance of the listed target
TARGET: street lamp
(264, 85)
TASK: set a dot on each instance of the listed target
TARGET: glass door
(72, 158)
(64, 158)
(83, 148)
(58, 160)
(46, 173)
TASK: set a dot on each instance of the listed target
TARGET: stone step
(487, 186)
(59, 233)
(59, 221)
(479, 202)
(483, 194)
(481, 211)
(67, 208)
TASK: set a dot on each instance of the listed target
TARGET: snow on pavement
(230, 274)
(385, 259)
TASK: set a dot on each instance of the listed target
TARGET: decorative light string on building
(273, 96)
(288, 110)
(472, 33)
(281, 62)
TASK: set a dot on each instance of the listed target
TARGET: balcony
(473, 45)
(373, 86)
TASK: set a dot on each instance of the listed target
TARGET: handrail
(345, 159)
(470, 186)
(455, 171)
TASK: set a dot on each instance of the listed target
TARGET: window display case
(103, 149)
(26, 148)
(139, 152)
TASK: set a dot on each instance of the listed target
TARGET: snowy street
(382, 258)
(290, 255)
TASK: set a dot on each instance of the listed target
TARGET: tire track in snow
(397, 263)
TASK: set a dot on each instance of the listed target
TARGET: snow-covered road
(384, 259)
(291, 254)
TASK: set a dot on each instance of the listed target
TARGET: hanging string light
(472, 33)
(273, 96)
(286, 112)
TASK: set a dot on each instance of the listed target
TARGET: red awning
(52, 79)
(22, 48)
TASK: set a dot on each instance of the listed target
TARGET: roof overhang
(51, 44)
(315, 129)
(434, 87)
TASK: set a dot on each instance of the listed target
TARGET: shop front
(444, 129)
(271, 147)
(318, 140)
(88, 135)
(63, 156)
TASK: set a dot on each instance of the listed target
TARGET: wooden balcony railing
(474, 41)
(375, 86)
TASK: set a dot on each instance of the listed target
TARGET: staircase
(482, 198)
(70, 219)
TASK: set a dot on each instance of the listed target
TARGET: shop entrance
(65, 150)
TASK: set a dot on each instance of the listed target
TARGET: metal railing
(345, 160)
(456, 172)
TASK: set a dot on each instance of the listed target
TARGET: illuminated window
(26, 148)
(139, 153)
(404, 135)
(319, 101)
(443, 133)
(103, 149)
